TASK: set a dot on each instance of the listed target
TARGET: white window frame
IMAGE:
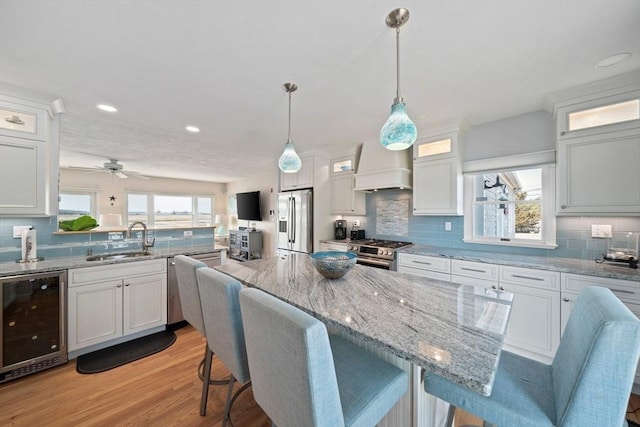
(548, 213)
(91, 192)
(151, 208)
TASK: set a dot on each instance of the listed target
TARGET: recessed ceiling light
(613, 60)
(192, 129)
(108, 108)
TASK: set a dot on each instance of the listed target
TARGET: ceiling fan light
(289, 161)
(398, 132)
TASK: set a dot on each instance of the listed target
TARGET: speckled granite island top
(453, 330)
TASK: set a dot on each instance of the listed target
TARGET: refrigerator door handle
(293, 240)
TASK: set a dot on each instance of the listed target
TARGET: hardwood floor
(159, 390)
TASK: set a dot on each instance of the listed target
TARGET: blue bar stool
(192, 310)
(587, 384)
(223, 324)
(303, 377)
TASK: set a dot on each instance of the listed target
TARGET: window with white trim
(170, 210)
(75, 202)
(513, 207)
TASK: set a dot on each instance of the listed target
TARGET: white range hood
(380, 168)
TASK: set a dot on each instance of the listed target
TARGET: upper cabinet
(598, 153)
(344, 200)
(301, 179)
(437, 175)
(28, 155)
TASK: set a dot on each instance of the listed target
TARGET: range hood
(380, 168)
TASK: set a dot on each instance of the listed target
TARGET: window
(512, 207)
(170, 211)
(74, 203)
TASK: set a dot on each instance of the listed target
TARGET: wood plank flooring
(159, 390)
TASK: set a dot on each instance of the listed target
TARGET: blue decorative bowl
(333, 264)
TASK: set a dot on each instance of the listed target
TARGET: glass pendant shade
(399, 132)
(289, 160)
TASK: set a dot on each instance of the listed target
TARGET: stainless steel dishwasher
(174, 314)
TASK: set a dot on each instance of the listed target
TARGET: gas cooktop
(379, 243)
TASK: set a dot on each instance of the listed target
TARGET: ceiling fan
(114, 168)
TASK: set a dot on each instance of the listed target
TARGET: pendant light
(399, 132)
(289, 160)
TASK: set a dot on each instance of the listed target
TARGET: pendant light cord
(398, 97)
(289, 135)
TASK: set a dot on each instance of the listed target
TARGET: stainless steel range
(375, 252)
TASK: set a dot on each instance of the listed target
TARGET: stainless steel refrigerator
(295, 221)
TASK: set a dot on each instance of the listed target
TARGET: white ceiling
(220, 65)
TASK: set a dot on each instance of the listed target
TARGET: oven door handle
(372, 261)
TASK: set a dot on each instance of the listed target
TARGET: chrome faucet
(145, 243)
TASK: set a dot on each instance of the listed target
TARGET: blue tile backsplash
(573, 234)
(51, 245)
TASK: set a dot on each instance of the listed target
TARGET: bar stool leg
(450, 414)
(205, 383)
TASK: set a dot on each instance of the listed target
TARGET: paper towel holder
(28, 237)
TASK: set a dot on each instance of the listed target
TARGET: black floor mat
(121, 354)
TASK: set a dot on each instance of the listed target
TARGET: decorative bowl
(333, 264)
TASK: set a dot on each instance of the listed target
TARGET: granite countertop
(53, 264)
(562, 265)
(453, 330)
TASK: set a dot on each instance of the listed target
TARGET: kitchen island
(453, 330)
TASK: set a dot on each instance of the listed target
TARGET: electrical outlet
(601, 231)
(17, 230)
(447, 226)
(356, 223)
(187, 233)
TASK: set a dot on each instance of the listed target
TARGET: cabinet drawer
(81, 276)
(542, 279)
(327, 246)
(476, 270)
(424, 273)
(623, 289)
(22, 121)
(472, 281)
(424, 262)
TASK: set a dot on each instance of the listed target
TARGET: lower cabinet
(426, 266)
(333, 246)
(113, 301)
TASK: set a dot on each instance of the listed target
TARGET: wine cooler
(33, 334)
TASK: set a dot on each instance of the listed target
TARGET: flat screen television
(248, 205)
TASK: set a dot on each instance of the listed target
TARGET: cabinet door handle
(422, 262)
(118, 285)
(528, 278)
(565, 299)
(493, 287)
(501, 288)
(126, 284)
(563, 207)
(475, 270)
(623, 291)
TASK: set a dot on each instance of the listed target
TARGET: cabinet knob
(493, 287)
(565, 299)
(501, 288)
(118, 285)
(563, 207)
(563, 133)
(126, 284)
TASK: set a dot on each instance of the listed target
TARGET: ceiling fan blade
(121, 175)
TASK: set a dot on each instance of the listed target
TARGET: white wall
(108, 185)
(267, 184)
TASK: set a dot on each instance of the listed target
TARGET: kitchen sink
(122, 255)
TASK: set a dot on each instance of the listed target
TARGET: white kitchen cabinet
(626, 290)
(114, 301)
(599, 174)
(333, 246)
(426, 266)
(344, 200)
(598, 153)
(28, 157)
(437, 175)
(301, 179)
(534, 324)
